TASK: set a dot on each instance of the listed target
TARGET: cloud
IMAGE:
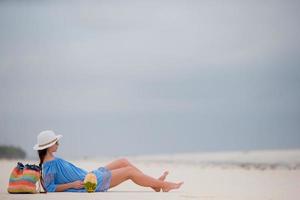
(154, 67)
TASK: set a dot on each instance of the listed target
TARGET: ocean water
(248, 160)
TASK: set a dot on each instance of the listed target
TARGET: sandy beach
(209, 176)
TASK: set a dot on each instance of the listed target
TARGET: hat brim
(37, 147)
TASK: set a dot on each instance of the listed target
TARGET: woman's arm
(63, 187)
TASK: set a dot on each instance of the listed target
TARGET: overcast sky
(148, 77)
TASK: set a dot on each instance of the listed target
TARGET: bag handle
(41, 188)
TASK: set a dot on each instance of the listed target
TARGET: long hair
(42, 154)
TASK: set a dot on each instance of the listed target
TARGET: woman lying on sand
(59, 175)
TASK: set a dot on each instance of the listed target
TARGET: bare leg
(122, 174)
(161, 178)
(121, 163)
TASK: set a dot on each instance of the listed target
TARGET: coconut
(90, 182)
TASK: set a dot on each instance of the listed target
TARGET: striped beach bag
(24, 179)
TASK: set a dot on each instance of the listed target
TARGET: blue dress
(59, 171)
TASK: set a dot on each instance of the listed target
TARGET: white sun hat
(46, 139)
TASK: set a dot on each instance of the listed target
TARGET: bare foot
(161, 178)
(171, 186)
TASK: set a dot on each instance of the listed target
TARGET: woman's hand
(77, 184)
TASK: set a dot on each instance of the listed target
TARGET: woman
(58, 175)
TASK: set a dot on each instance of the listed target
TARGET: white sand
(211, 176)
